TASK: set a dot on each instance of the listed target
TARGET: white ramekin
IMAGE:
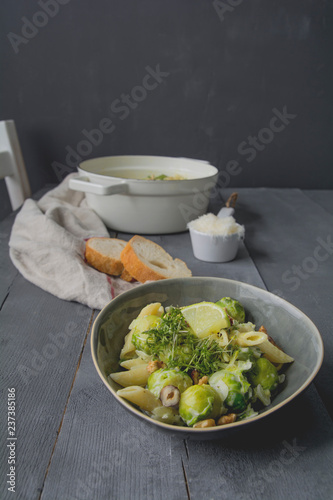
(214, 248)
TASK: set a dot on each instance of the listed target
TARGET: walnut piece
(227, 419)
(154, 365)
(272, 341)
(195, 376)
(203, 380)
(203, 424)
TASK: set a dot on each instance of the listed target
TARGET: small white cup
(213, 247)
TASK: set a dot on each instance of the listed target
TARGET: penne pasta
(128, 350)
(248, 339)
(141, 397)
(274, 354)
(223, 339)
(138, 375)
(154, 309)
(132, 363)
(148, 317)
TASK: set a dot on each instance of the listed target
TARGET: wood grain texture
(275, 458)
(41, 343)
(321, 197)
(7, 270)
(76, 442)
(104, 452)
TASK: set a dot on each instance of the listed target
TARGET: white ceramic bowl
(289, 327)
(117, 190)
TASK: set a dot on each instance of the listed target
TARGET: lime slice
(206, 318)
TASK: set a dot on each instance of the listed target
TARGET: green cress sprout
(265, 374)
(234, 308)
(169, 340)
(232, 387)
(173, 342)
(199, 402)
(163, 377)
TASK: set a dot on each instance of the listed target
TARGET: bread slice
(104, 254)
(146, 261)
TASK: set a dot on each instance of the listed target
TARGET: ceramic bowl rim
(210, 171)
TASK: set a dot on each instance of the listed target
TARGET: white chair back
(12, 167)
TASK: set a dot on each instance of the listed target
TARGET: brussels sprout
(179, 356)
(265, 374)
(246, 354)
(264, 395)
(199, 402)
(140, 326)
(232, 387)
(167, 415)
(140, 342)
(162, 377)
(234, 308)
(245, 327)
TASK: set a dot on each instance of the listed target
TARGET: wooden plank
(322, 197)
(269, 458)
(7, 271)
(289, 237)
(104, 452)
(288, 455)
(42, 339)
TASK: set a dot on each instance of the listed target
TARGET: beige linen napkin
(47, 246)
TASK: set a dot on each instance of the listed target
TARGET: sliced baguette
(147, 261)
(104, 255)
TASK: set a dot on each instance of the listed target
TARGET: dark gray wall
(227, 69)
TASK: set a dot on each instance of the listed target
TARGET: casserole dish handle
(83, 184)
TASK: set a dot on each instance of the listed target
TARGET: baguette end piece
(103, 254)
(148, 261)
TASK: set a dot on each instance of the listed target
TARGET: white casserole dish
(117, 191)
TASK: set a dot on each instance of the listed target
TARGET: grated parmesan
(211, 224)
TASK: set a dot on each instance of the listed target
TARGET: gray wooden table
(75, 442)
